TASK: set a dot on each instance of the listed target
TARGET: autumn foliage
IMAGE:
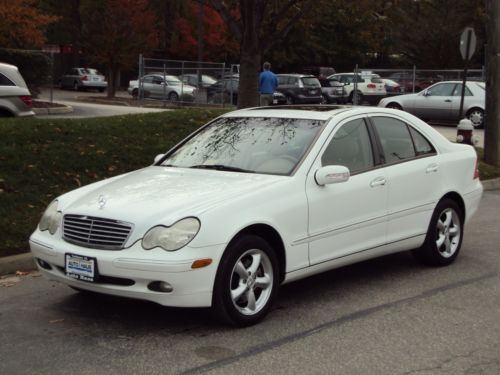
(22, 25)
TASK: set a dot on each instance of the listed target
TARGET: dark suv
(300, 88)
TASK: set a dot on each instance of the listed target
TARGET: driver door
(347, 217)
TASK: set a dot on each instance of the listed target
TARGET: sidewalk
(25, 262)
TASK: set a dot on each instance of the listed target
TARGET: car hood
(161, 195)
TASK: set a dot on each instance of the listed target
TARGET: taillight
(27, 100)
(85, 78)
(371, 85)
(476, 169)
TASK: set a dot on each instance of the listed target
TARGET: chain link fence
(186, 82)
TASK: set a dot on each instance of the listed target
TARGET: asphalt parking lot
(385, 316)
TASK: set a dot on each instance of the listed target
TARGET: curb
(21, 262)
(53, 110)
(493, 184)
(25, 262)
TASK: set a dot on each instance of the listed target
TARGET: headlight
(172, 238)
(51, 219)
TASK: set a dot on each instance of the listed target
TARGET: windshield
(257, 145)
(311, 82)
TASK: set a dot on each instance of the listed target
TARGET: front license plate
(80, 267)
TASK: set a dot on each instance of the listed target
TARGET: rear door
(413, 175)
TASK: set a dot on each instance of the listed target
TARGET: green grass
(41, 159)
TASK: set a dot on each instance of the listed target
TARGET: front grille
(96, 232)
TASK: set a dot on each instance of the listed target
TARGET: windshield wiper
(221, 167)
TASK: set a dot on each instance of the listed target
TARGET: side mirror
(332, 174)
(158, 158)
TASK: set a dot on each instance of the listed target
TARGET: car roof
(296, 75)
(313, 112)
(12, 73)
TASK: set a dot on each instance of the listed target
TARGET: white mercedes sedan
(261, 197)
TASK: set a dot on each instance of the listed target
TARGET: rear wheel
(246, 282)
(476, 116)
(173, 97)
(444, 235)
(289, 100)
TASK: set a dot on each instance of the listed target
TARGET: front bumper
(130, 272)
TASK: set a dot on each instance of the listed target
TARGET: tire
(135, 93)
(173, 97)
(476, 116)
(359, 96)
(289, 100)
(444, 235)
(247, 281)
(394, 106)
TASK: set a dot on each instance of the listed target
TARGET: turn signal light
(200, 263)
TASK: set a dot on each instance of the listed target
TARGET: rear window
(4, 81)
(311, 82)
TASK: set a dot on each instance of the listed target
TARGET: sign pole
(467, 51)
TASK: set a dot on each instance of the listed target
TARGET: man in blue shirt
(268, 82)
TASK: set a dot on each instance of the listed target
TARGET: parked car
(320, 72)
(409, 84)
(371, 89)
(225, 90)
(165, 87)
(300, 88)
(193, 80)
(84, 79)
(332, 91)
(441, 102)
(261, 197)
(15, 97)
(391, 87)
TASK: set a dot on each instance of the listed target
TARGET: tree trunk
(492, 119)
(250, 61)
(112, 81)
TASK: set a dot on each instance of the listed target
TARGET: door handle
(379, 181)
(431, 168)
(448, 101)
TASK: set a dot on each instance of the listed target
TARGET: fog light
(160, 286)
(43, 264)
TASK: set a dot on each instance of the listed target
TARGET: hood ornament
(101, 201)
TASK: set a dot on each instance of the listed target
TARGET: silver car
(84, 78)
(441, 102)
(15, 97)
(159, 86)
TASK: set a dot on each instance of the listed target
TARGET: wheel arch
(457, 198)
(274, 239)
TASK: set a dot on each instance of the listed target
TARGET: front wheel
(444, 235)
(246, 282)
(173, 97)
(393, 106)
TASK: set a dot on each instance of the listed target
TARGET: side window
(148, 79)
(442, 89)
(395, 139)
(458, 91)
(4, 81)
(282, 81)
(294, 81)
(350, 147)
(422, 145)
